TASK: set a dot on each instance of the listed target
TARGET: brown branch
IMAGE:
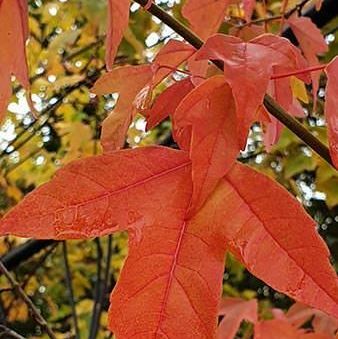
(7, 333)
(34, 311)
(298, 8)
(272, 106)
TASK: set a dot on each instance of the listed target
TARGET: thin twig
(23, 252)
(38, 264)
(22, 161)
(47, 112)
(7, 333)
(70, 288)
(96, 43)
(34, 311)
(29, 275)
(260, 20)
(298, 8)
(98, 288)
(272, 106)
(286, 15)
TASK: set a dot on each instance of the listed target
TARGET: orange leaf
(281, 329)
(281, 91)
(165, 286)
(134, 85)
(249, 6)
(198, 70)
(128, 81)
(175, 265)
(118, 19)
(210, 111)
(276, 329)
(331, 108)
(98, 195)
(170, 57)
(311, 42)
(205, 16)
(235, 310)
(171, 282)
(167, 102)
(247, 68)
(276, 240)
(299, 314)
(247, 33)
(13, 36)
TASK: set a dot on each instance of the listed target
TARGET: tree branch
(70, 288)
(25, 251)
(7, 333)
(272, 106)
(34, 311)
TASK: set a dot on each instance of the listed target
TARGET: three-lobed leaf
(175, 266)
(248, 67)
